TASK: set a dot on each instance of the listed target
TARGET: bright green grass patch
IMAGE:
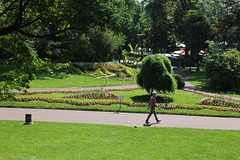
(63, 80)
(234, 94)
(140, 95)
(179, 97)
(44, 140)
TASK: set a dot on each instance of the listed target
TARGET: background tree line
(97, 30)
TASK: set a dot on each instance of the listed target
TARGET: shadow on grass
(200, 77)
(55, 75)
(146, 98)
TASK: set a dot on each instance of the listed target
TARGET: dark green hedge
(223, 70)
(180, 81)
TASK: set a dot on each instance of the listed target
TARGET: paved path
(120, 118)
(84, 88)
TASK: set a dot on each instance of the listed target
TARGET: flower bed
(106, 94)
(91, 97)
(94, 94)
(219, 97)
(134, 104)
(215, 102)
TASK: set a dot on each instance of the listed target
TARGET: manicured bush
(223, 70)
(156, 73)
(180, 81)
(167, 63)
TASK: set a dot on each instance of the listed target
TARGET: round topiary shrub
(156, 73)
(180, 81)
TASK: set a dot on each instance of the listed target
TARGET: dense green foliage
(124, 17)
(180, 81)
(156, 73)
(97, 30)
(95, 45)
(223, 69)
(191, 27)
(75, 30)
(20, 65)
(159, 30)
(24, 21)
(224, 19)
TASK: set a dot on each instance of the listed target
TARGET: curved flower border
(134, 104)
(113, 96)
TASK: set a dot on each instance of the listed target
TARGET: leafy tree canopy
(159, 29)
(53, 17)
(24, 20)
(192, 28)
(224, 19)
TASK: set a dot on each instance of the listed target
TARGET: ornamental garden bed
(135, 100)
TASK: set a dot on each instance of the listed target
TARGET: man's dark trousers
(153, 111)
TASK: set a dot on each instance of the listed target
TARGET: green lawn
(63, 80)
(51, 141)
(200, 80)
(140, 96)
(179, 97)
(197, 78)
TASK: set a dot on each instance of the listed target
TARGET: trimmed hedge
(180, 81)
(156, 73)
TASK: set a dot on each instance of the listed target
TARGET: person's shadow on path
(149, 124)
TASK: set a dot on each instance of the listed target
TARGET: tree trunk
(198, 66)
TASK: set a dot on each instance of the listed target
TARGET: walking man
(152, 104)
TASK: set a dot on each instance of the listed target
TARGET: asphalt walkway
(84, 88)
(120, 118)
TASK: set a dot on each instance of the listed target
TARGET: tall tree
(124, 17)
(160, 31)
(224, 19)
(27, 17)
(24, 20)
(191, 28)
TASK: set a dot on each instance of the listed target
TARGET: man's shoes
(158, 121)
(147, 122)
